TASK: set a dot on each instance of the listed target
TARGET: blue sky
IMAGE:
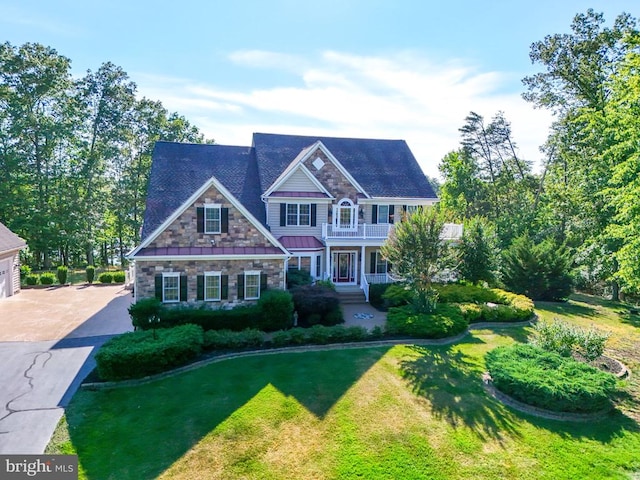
(375, 69)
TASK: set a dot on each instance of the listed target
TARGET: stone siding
(332, 179)
(146, 272)
(183, 232)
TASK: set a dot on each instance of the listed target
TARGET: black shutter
(224, 287)
(391, 213)
(159, 287)
(241, 286)
(372, 268)
(224, 220)
(374, 213)
(263, 282)
(200, 288)
(388, 267)
(200, 219)
(183, 288)
(314, 211)
(283, 214)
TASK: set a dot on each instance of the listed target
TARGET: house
(224, 222)
(10, 246)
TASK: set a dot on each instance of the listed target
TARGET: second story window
(298, 214)
(382, 213)
(212, 219)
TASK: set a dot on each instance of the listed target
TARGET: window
(212, 219)
(252, 285)
(383, 214)
(299, 214)
(212, 286)
(345, 215)
(318, 266)
(170, 287)
(381, 263)
(411, 209)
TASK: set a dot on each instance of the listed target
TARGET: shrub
(145, 308)
(138, 354)
(376, 292)
(548, 380)
(461, 293)
(91, 272)
(319, 334)
(376, 332)
(47, 278)
(566, 340)
(32, 279)
(119, 277)
(229, 340)
(396, 295)
(317, 304)
(326, 283)
(236, 319)
(539, 271)
(25, 270)
(105, 277)
(276, 310)
(477, 251)
(295, 336)
(62, 273)
(297, 278)
(446, 321)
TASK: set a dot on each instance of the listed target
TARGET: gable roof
(9, 241)
(384, 168)
(180, 169)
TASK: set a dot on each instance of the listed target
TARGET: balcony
(361, 231)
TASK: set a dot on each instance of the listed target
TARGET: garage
(10, 246)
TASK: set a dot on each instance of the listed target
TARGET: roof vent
(318, 163)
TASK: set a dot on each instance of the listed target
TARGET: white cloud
(403, 95)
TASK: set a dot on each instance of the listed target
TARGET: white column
(362, 262)
(328, 263)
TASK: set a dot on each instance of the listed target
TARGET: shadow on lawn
(452, 382)
(149, 427)
(567, 309)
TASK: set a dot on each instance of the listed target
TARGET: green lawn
(398, 412)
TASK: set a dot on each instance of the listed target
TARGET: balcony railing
(360, 231)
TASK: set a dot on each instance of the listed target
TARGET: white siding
(16, 273)
(273, 219)
(298, 182)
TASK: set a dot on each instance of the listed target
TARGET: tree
(478, 252)
(417, 254)
(541, 271)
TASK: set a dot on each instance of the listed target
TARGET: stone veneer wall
(146, 272)
(332, 179)
(183, 232)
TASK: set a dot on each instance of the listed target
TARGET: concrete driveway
(47, 337)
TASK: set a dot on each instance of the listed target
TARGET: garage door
(5, 277)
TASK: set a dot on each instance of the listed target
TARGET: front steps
(350, 295)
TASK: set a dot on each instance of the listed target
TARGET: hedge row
(142, 353)
(446, 321)
(548, 380)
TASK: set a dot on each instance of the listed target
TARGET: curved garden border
(301, 349)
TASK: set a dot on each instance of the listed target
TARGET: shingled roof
(9, 241)
(384, 168)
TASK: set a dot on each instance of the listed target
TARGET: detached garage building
(10, 246)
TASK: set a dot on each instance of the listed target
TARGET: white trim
(217, 274)
(298, 214)
(354, 267)
(170, 275)
(252, 273)
(425, 201)
(213, 257)
(297, 164)
(341, 168)
(192, 200)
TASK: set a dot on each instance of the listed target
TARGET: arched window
(344, 215)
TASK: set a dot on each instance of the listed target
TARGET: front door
(344, 267)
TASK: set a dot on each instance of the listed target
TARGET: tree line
(585, 201)
(75, 155)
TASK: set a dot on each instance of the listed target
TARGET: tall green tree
(478, 252)
(418, 254)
